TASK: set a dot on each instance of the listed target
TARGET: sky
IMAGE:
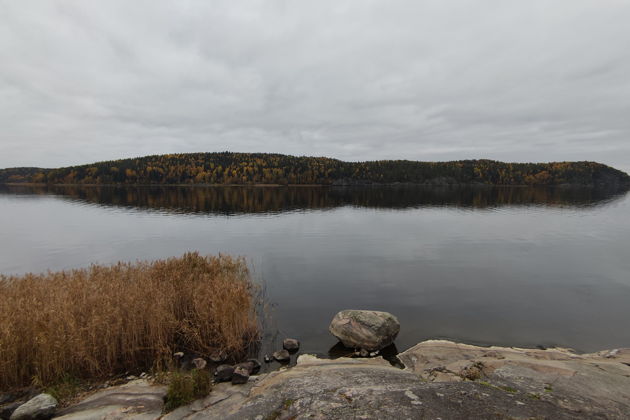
(511, 80)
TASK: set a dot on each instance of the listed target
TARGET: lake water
(503, 266)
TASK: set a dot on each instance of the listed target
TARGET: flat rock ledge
(442, 379)
(595, 385)
(138, 400)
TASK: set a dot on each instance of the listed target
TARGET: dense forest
(261, 168)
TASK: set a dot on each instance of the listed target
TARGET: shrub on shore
(185, 387)
(106, 320)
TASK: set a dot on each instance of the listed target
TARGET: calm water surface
(504, 266)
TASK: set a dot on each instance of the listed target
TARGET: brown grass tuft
(106, 320)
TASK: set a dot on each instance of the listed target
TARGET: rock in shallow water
(368, 330)
(41, 407)
(255, 366)
(282, 356)
(291, 344)
(252, 366)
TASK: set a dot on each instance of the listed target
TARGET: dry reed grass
(106, 320)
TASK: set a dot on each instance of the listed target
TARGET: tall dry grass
(106, 320)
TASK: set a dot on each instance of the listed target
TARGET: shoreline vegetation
(226, 168)
(102, 321)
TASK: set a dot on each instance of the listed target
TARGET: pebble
(291, 344)
(240, 376)
(282, 356)
(223, 373)
(199, 363)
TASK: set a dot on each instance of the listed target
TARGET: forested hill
(260, 168)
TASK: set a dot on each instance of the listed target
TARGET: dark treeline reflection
(238, 200)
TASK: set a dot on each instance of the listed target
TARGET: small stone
(178, 355)
(40, 407)
(374, 353)
(131, 378)
(268, 358)
(199, 363)
(612, 354)
(143, 375)
(218, 356)
(282, 356)
(252, 366)
(223, 373)
(364, 353)
(291, 344)
(240, 376)
(255, 366)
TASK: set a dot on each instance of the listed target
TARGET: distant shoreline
(391, 184)
(275, 170)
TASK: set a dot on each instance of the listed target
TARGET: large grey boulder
(41, 407)
(368, 330)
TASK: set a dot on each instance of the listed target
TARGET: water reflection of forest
(236, 200)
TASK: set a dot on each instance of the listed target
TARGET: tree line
(259, 168)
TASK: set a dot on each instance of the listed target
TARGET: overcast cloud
(83, 81)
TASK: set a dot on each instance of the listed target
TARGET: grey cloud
(356, 80)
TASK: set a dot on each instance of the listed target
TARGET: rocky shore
(440, 380)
